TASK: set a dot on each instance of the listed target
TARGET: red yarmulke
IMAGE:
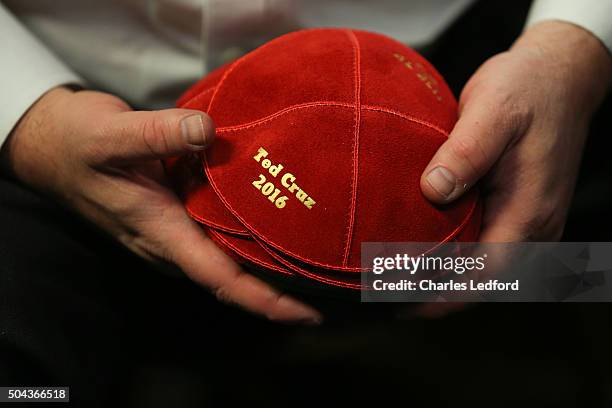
(322, 136)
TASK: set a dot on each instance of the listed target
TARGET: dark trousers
(77, 309)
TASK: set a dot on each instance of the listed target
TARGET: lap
(58, 320)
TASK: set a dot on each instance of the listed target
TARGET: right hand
(92, 152)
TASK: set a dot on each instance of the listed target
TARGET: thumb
(475, 144)
(153, 135)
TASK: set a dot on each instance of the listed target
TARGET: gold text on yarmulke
(269, 189)
(421, 73)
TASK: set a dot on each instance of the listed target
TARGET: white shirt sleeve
(593, 15)
(27, 71)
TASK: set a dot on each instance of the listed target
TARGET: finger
(154, 135)
(205, 263)
(475, 144)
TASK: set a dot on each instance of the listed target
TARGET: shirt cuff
(592, 15)
(27, 71)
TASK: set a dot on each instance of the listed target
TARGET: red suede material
(317, 274)
(389, 186)
(203, 88)
(222, 243)
(200, 200)
(247, 250)
(319, 166)
(203, 205)
(307, 66)
(250, 254)
(354, 117)
(397, 77)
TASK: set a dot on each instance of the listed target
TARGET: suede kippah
(322, 136)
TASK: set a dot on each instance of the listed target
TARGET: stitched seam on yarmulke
(407, 117)
(431, 69)
(250, 257)
(282, 112)
(258, 236)
(257, 50)
(289, 109)
(290, 253)
(212, 224)
(457, 230)
(218, 87)
(306, 273)
(199, 95)
(255, 232)
(250, 55)
(355, 176)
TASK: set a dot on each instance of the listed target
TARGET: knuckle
(545, 224)
(470, 150)
(224, 291)
(222, 294)
(271, 305)
(517, 118)
(155, 133)
(265, 304)
(512, 111)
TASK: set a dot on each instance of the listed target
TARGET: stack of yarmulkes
(322, 136)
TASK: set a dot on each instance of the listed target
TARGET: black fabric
(77, 309)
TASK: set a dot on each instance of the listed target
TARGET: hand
(93, 153)
(523, 121)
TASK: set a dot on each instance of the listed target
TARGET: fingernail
(193, 132)
(302, 313)
(442, 180)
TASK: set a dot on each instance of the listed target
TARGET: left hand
(524, 118)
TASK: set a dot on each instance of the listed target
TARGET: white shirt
(148, 51)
